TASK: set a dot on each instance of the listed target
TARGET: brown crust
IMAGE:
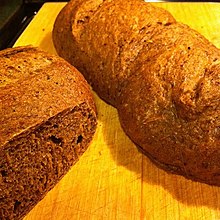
(47, 118)
(162, 76)
(65, 91)
(101, 65)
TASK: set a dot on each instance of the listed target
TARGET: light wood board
(113, 180)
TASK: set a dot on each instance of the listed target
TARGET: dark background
(15, 15)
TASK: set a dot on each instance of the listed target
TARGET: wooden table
(113, 180)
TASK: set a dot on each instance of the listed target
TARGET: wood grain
(113, 180)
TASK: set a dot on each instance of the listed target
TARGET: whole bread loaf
(162, 76)
(47, 120)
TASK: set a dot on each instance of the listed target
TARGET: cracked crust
(162, 76)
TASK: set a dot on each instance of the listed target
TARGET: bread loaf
(162, 76)
(47, 120)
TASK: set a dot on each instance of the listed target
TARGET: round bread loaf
(162, 76)
(47, 120)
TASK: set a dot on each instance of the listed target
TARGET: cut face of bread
(48, 119)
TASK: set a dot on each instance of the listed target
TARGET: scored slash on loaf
(162, 76)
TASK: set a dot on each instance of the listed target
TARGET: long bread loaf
(162, 76)
(47, 120)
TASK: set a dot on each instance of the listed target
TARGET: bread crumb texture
(47, 120)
